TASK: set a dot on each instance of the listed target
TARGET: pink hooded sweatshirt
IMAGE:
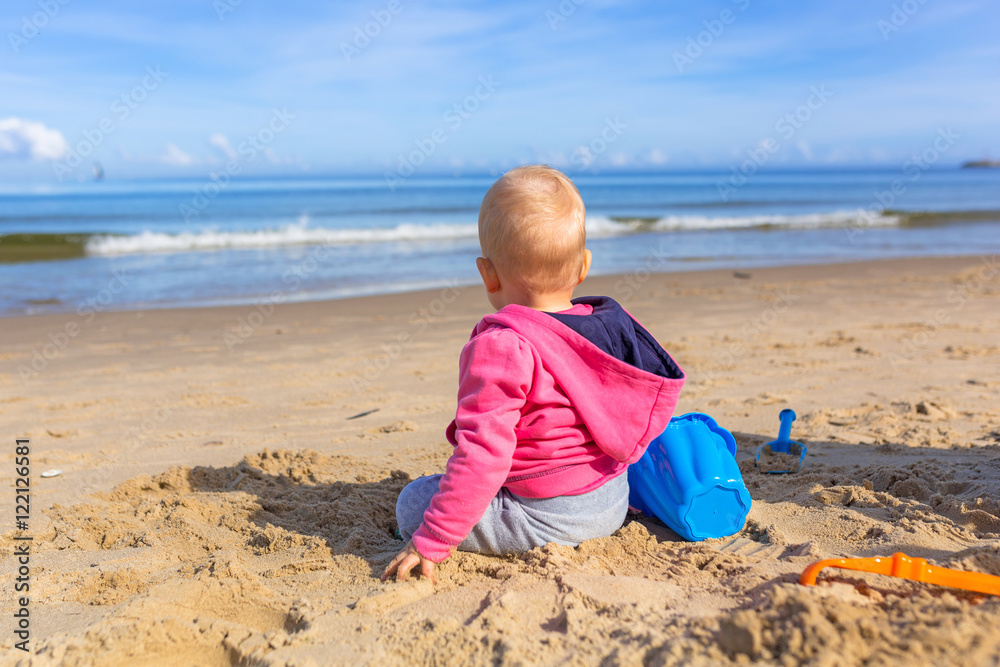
(549, 404)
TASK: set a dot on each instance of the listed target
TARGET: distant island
(981, 164)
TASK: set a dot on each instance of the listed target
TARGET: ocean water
(161, 243)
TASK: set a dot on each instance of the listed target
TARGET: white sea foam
(600, 226)
(303, 234)
(150, 242)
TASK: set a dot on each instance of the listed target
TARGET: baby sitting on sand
(556, 395)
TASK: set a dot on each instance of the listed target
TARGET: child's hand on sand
(406, 560)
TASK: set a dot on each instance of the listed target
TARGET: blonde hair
(531, 226)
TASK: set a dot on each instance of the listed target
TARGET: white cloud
(23, 139)
(176, 157)
(844, 155)
(556, 159)
(804, 149)
(878, 154)
(618, 159)
(220, 142)
(656, 156)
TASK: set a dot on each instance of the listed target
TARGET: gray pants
(514, 524)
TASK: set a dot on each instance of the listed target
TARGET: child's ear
(489, 273)
(587, 257)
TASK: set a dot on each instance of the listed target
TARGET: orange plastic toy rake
(916, 569)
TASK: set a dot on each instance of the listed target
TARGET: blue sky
(599, 85)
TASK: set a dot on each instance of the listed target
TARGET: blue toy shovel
(784, 454)
(688, 478)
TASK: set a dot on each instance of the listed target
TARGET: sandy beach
(228, 480)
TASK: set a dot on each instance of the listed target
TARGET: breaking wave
(302, 233)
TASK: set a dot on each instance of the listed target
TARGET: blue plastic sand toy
(784, 454)
(688, 478)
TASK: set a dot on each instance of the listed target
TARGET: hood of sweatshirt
(622, 383)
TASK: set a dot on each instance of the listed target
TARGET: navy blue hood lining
(612, 330)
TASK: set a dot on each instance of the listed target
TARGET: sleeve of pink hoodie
(495, 375)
